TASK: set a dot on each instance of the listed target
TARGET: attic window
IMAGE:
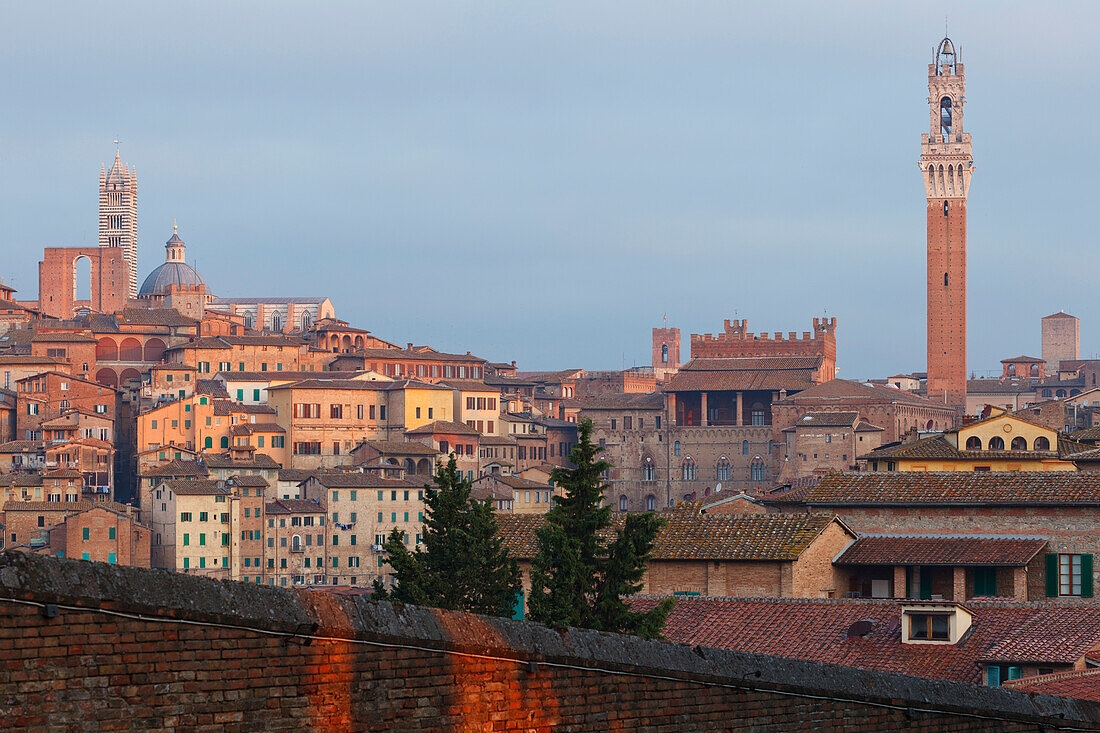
(933, 626)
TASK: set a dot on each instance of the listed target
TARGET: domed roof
(174, 271)
(170, 273)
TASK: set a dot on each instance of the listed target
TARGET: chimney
(129, 510)
(410, 346)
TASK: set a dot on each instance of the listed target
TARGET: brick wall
(210, 655)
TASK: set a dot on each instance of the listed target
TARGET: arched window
(208, 442)
(744, 447)
(622, 503)
(676, 448)
(1019, 443)
(1011, 367)
(664, 354)
(945, 282)
(723, 469)
(248, 321)
(757, 470)
(1034, 370)
(687, 470)
(973, 443)
(649, 473)
(276, 322)
(651, 503)
(64, 405)
(225, 441)
(1074, 392)
(996, 443)
(296, 543)
(1041, 443)
(1060, 393)
(1048, 393)
(945, 117)
(307, 321)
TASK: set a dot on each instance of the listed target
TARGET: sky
(547, 181)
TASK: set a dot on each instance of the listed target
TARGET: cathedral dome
(174, 271)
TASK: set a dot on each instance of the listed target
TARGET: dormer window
(932, 626)
(934, 623)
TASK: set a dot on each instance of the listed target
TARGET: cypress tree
(582, 570)
(462, 564)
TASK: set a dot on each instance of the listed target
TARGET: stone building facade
(59, 286)
(666, 352)
(1061, 339)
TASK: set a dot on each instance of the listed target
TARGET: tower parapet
(735, 341)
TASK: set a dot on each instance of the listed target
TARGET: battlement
(734, 331)
(736, 342)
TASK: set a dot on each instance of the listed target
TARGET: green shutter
(1052, 574)
(926, 584)
(517, 607)
(993, 675)
(1086, 576)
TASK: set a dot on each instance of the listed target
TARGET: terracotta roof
(229, 407)
(1018, 359)
(760, 373)
(62, 473)
(22, 446)
(1086, 435)
(396, 447)
(513, 482)
(1083, 684)
(223, 460)
(295, 376)
(376, 385)
(487, 440)
(177, 468)
(293, 506)
(294, 474)
(198, 487)
(1049, 636)
(58, 337)
(845, 391)
(29, 360)
(211, 387)
(443, 426)
(623, 401)
(48, 506)
(996, 386)
(691, 536)
(250, 480)
(953, 550)
(469, 385)
(21, 478)
(1060, 314)
(154, 317)
(249, 428)
(955, 488)
(364, 480)
(827, 419)
(816, 630)
(417, 353)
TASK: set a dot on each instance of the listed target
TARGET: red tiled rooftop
(941, 550)
(816, 630)
(1083, 684)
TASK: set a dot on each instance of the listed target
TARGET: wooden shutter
(1086, 576)
(1052, 574)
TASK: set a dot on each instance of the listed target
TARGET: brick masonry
(375, 666)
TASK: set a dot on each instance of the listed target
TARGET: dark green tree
(463, 564)
(583, 568)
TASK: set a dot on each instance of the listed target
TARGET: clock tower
(946, 166)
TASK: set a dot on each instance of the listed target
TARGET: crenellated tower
(946, 165)
(118, 215)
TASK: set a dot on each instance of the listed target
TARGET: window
(84, 533)
(723, 470)
(649, 473)
(664, 353)
(622, 503)
(973, 443)
(1041, 443)
(1070, 574)
(336, 412)
(757, 470)
(1019, 443)
(744, 447)
(676, 448)
(687, 470)
(929, 626)
(651, 503)
(985, 582)
(996, 443)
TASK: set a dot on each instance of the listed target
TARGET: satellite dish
(717, 488)
(859, 629)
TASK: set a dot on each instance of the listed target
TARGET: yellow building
(325, 419)
(201, 422)
(515, 495)
(191, 527)
(1001, 442)
(476, 404)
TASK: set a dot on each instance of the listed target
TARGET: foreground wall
(135, 649)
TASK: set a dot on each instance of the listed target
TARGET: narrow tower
(946, 165)
(118, 215)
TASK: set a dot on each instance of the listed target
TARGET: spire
(118, 170)
(174, 247)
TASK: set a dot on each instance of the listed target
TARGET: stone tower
(666, 352)
(1061, 335)
(946, 166)
(118, 216)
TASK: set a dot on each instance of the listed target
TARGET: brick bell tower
(946, 166)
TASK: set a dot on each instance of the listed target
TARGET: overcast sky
(543, 181)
